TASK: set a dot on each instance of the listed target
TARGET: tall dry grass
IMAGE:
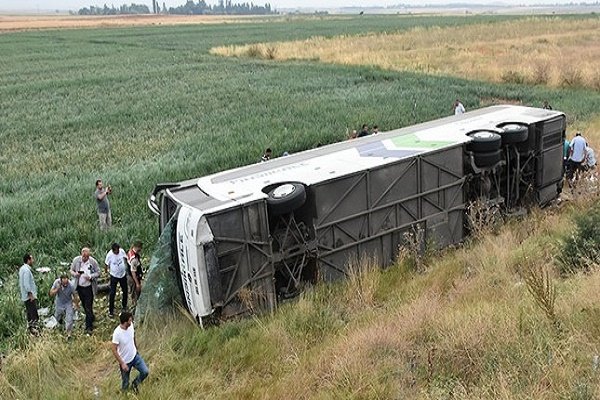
(554, 51)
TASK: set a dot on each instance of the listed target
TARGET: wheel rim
(484, 135)
(512, 127)
(283, 191)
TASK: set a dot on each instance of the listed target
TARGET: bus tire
(514, 133)
(487, 159)
(484, 141)
(286, 198)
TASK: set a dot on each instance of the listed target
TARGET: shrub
(541, 74)
(571, 76)
(271, 52)
(512, 77)
(580, 248)
(254, 51)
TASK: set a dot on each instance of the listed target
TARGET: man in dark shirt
(364, 131)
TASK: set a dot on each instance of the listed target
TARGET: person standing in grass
(364, 131)
(266, 155)
(85, 270)
(101, 196)
(458, 107)
(124, 349)
(134, 277)
(577, 153)
(63, 305)
(28, 290)
(116, 265)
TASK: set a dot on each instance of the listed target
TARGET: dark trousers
(113, 291)
(86, 295)
(32, 314)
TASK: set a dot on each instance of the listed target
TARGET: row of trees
(124, 9)
(189, 8)
(223, 7)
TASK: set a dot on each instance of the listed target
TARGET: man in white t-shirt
(116, 265)
(458, 107)
(124, 349)
(577, 153)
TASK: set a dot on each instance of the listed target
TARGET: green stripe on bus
(412, 141)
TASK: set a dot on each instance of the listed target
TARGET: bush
(571, 76)
(580, 249)
(513, 77)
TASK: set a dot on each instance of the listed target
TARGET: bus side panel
(243, 251)
(549, 169)
(373, 212)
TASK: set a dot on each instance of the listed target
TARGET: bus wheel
(487, 159)
(286, 198)
(484, 141)
(514, 133)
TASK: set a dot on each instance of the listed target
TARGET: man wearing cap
(116, 264)
(85, 270)
(63, 305)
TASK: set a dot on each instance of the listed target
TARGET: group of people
(579, 157)
(364, 131)
(80, 285)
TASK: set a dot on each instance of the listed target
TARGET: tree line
(124, 9)
(223, 7)
(189, 8)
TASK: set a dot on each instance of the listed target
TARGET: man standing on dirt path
(124, 349)
(101, 196)
(85, 270)
(28, 290)
(63, 305)
(116, 265)
(458, 107)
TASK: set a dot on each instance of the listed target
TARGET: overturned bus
(248, 237)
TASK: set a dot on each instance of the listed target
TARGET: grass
(554, 51)
(466, 327)
(143, 105)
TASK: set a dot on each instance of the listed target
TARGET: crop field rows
(142, 105)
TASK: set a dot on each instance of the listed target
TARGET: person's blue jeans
(139, 364)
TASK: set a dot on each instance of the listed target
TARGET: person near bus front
(576, 158)
(135, 272)
(116, 265)
(28, 290)
(85, 270)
